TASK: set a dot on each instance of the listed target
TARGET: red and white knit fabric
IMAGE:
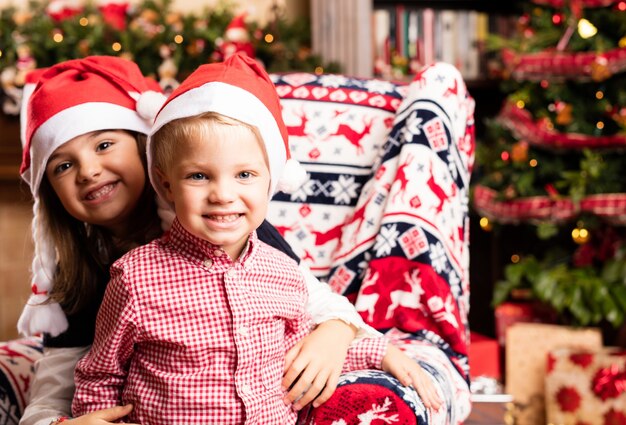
(188, 336)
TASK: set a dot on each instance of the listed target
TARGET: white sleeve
(324, 304)
(53, 386)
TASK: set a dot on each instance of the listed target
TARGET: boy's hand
(410, 373)
(108, 416)
(313, 365)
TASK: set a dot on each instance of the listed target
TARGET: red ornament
(236, 39)
(609, 382)
(60, 10)
(114, 14)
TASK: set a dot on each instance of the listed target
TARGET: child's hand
(108, 416)
(313, 365)
(410, 373)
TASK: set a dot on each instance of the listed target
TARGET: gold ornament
(519, 152)
(580, 235)
(600, 69)
(564, 115)
(485, 224)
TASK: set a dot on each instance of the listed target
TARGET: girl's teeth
(100, 192)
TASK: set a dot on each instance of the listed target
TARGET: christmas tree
(552, 163)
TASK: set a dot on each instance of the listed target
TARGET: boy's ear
(165, 183)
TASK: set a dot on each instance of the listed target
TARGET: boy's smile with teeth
(219, 185)
(223, 218)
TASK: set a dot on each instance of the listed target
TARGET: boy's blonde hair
(205, 126)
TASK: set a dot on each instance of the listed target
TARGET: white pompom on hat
(238, 88)
(63, 102)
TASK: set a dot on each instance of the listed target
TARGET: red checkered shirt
(189, 336)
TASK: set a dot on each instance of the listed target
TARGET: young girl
(84, 159)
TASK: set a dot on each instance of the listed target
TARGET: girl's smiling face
(99, 178)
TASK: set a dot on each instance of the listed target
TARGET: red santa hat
(237, 30)
(62, 102)
(238, 88)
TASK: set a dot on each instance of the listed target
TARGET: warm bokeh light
(485, 224)
(586, 29)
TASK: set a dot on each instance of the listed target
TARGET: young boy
(194, 327)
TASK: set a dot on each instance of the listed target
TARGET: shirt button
(207, 263)
(230, 272)
(217, 252)
(245, 388)
(242, 330)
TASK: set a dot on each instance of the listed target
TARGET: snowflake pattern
(438, 257)
(344, 189)
(387, 240)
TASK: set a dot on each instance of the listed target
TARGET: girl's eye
(61, 167)
(245, 175)
(104, 145)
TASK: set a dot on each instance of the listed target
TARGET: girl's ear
(165, 183)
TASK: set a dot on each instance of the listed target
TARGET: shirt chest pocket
(272, 339)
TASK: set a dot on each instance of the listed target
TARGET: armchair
(383, 219)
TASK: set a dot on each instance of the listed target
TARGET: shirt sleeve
(324, 304)
(53, 386)
(367, 353)
(101, 374)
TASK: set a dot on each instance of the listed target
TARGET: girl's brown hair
(85, 252)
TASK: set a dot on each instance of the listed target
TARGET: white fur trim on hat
(40, 315)
(149, 103)
(294, 176)
(233, 102)
(64, 126)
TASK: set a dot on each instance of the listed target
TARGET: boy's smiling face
(219, 186)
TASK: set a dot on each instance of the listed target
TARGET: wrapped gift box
(586, 387)
(527, 347)
(509, 313)
(484, 356)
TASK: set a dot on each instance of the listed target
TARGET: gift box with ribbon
(586, 387)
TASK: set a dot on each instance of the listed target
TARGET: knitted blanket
(384, 220)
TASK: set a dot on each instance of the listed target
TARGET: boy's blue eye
(197, 176)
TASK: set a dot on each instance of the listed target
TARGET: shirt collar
(192, 245)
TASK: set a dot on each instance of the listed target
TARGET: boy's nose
(221, 192)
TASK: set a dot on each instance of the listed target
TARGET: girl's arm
(325, 305)
(52, 389)
(313, 365)
(101, 374)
